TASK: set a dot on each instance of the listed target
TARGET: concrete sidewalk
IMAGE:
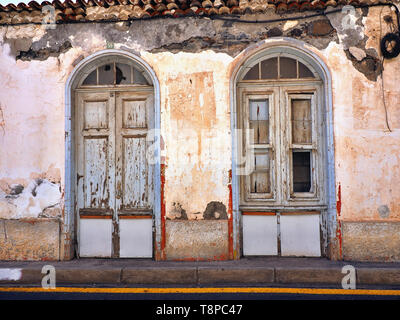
(246, 271)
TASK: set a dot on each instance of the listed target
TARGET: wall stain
(2, 121)
(215, 210)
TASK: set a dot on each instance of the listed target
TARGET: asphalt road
(199, 305)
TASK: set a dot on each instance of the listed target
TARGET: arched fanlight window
(115, 73)
(277, 68)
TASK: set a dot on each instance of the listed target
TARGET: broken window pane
(106, 74)
(301, 121)
(91, 79)
(269, 69)
(304, 72)
(138, 77)
(301, 162)
(288, 68)
(259, 120)
(260, 178)
(253, 73)
(122, 74)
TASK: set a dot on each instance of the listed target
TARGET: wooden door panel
(133, 171)
(96, 181)
(96, 114)
(134, 113)
(135, 187)
(114, 175)
(95, 131)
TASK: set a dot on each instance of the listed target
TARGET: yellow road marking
(207, 290)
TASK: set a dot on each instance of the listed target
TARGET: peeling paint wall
(193, 59)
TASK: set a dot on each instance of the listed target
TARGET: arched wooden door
(114, 116)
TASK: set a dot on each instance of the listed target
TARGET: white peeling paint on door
(96, 149)
(134, 117)
(134, 174)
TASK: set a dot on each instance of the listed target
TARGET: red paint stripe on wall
(230, 217)
(339, 200)
(339, 223)
(162, 212)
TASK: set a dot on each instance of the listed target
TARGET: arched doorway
(283, 178)
(114, 157)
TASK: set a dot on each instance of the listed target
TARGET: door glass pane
(122, 73)
(138, 77)
(304, 72)
(288, 68)
(269, 69)
(260, 178)
(301, 121)
(253, 73)
(259, 120)
(106, 74)
(301, 162)
(91, 79)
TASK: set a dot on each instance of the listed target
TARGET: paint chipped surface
(31, 201)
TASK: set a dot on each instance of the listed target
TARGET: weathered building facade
(188, 130)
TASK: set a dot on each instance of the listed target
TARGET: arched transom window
(279, 67)
(115, 73)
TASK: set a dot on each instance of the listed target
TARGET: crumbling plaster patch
(191, 34)
(31, 201)
(194, 34)
(349, 26)
(353, 36)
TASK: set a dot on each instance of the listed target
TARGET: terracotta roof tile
(93, 10)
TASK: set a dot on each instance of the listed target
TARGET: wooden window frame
(281, 93)
(267, 148)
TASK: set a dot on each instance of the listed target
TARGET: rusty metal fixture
(390, 45)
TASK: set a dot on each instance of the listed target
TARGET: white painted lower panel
(300, 235)
(95, 237)
(259, 235)
(136, 238)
